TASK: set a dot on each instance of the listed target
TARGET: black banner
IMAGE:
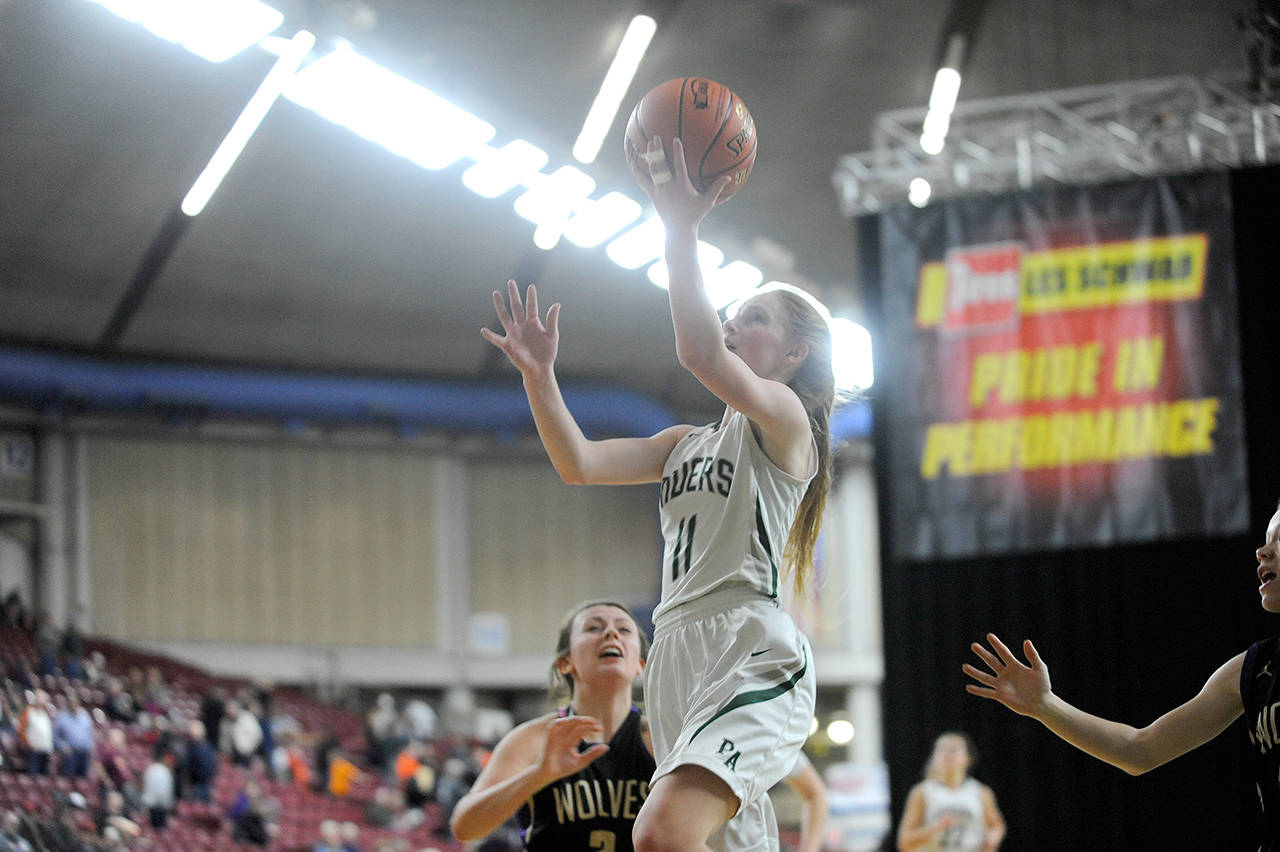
(1061, 369)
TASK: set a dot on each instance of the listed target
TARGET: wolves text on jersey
(1263, 732)
(585, 799)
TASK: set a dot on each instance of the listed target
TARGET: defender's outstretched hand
(529, 344)
(675, 198)
(1021, 688)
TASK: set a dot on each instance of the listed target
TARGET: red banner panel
(1061, 369)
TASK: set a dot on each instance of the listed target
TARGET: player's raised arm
(755, 386)
(532, 345)
(1026, 690)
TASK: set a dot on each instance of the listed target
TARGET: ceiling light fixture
(942, 99)
(213, 29)
(616, 82)
(383, 107)
(243, 128)
(498, 170)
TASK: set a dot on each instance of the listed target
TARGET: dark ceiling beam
(144, 278)
(959, 30)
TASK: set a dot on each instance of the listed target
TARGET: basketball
(717, 131)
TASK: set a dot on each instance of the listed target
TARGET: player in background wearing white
(949, 811)
(1248, 683)
(730, 685)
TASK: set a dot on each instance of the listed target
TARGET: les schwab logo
(987, 288)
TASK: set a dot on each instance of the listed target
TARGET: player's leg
(683, 809)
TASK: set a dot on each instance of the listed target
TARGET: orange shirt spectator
(298, 769)
(407, 764)
(342, 774)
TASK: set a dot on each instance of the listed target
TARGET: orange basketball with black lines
(714, 126)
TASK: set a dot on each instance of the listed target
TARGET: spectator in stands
(11, 839)
(113, 814)
(156, 696)
(383, 808)
(73, 737)
(158, 787)
(13, 612)
(113, 754)
(245, 734)
(420, 787)
(119, 705)
(95, 670)
(253, 815)
(48, 643)
(289, 764)
(421, 721)
(213, 706)
(62, 834)
(73, 647)
(25, 677)
(350, 837)
(199, 762)
(381, 733)
(323, 755)
(35, 727)
(343, 774)
(9, 715)
(330, 837)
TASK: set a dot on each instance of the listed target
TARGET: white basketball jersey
(964, 804)
(726, 513)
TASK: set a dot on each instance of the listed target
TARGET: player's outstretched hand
(1023, 689)
(529, 344)
(667, 183)
(560, 755)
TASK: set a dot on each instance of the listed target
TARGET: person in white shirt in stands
(157, 787)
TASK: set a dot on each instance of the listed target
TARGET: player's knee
(649, 836)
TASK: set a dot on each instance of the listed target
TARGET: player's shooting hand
(666, 181)
(1023, 689)
(529, 344)
(560, 755)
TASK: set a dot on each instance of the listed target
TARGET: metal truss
(1071, 136)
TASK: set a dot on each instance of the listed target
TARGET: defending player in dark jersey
(595, 807)
(578, 775)
(1244, 684)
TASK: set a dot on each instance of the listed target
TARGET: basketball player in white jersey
(729, 687)
(950, 811)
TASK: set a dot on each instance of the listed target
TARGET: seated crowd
(106, 748)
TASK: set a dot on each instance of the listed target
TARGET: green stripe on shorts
(757, 696)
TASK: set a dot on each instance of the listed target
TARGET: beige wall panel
(210, 540)
(538, 546)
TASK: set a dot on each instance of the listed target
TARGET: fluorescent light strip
(383, 107)
(256, 110)
(616, 82)
(213, 29)
(638, 246)
(596, 221)
(498, 170)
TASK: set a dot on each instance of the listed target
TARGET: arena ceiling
(323, 251)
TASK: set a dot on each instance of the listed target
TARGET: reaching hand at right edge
(1025, 689)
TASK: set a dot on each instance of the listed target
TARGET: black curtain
(1127, 632)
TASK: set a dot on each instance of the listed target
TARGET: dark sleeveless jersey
(1260, 693)
(595, 808)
